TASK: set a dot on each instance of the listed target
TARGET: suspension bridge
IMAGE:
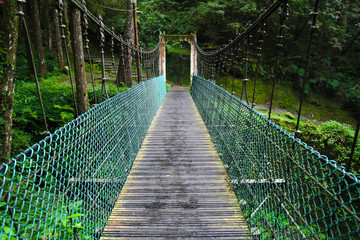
(183, 164)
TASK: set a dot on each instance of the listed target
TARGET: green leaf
(64, 222)
(66, 116)
(78, 226)
(301, 72)
(27, 109)
(65, 107)
(76, 215)
(78, 203)
(9, 230)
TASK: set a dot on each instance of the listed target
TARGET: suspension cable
(102, 44)
(279, 45)
(246, 60)
(314, 14)
(113, 58)
(86, 25)
(21, 14)
(108, 31)
(65, 43)
(243, 35)
(258, 58)
(222, 60)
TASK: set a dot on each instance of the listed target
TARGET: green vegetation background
(332, 92)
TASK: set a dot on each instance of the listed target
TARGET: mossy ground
(317, 106)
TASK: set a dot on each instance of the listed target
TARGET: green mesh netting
(286, 189)
(65, 186)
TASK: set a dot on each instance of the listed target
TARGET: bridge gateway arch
(191, 39)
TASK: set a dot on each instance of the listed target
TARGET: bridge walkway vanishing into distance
(76, 183)
(178, 186)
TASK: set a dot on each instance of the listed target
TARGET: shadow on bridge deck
(177, 187)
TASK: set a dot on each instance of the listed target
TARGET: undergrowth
(330, 138)
(58, 104)
(329, 128)
(174, 52)
(316, 106)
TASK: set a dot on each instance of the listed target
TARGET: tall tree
(59, 51)
(66, 22)
(9, 38)
(79, 62)
(124, 71)
(344, 14)
(48, 10)
(37, 36)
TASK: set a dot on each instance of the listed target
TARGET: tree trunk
(344, 14)
(9, 29)
(48, 24)
(37, 36)
(124, 71)
(58, 42)
(22, 40)
(79, 62)
(66, 22)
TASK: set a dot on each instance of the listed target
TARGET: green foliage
(218, 21)
(71, 219)
(58, 105)
(215, 21)
(257, 154)
(65, 219)
(333, 70)
(27, 110)
(67, 113)
(21, 139)
(282, 222)
(173, 65)
(330, 138)
(316, 105)
(111, 89)
(167, 86)
(23, 66)
(3, 52)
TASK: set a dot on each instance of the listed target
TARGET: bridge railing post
(162, 55)
(193, 57)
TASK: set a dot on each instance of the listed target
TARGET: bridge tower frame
(191, 39)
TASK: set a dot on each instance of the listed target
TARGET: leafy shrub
(111, 89)
(27, 111)
(58, 104)
(336, 140)
(330, 138)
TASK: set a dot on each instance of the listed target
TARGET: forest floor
(316, 106)
(262, 108)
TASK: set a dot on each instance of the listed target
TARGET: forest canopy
(334, 69)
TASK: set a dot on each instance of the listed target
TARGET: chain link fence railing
(285, 188)
(65, 186)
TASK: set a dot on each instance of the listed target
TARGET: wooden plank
(177, 188)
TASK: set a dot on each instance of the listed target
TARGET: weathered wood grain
(177, 188)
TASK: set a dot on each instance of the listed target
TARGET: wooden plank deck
(177, 188)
